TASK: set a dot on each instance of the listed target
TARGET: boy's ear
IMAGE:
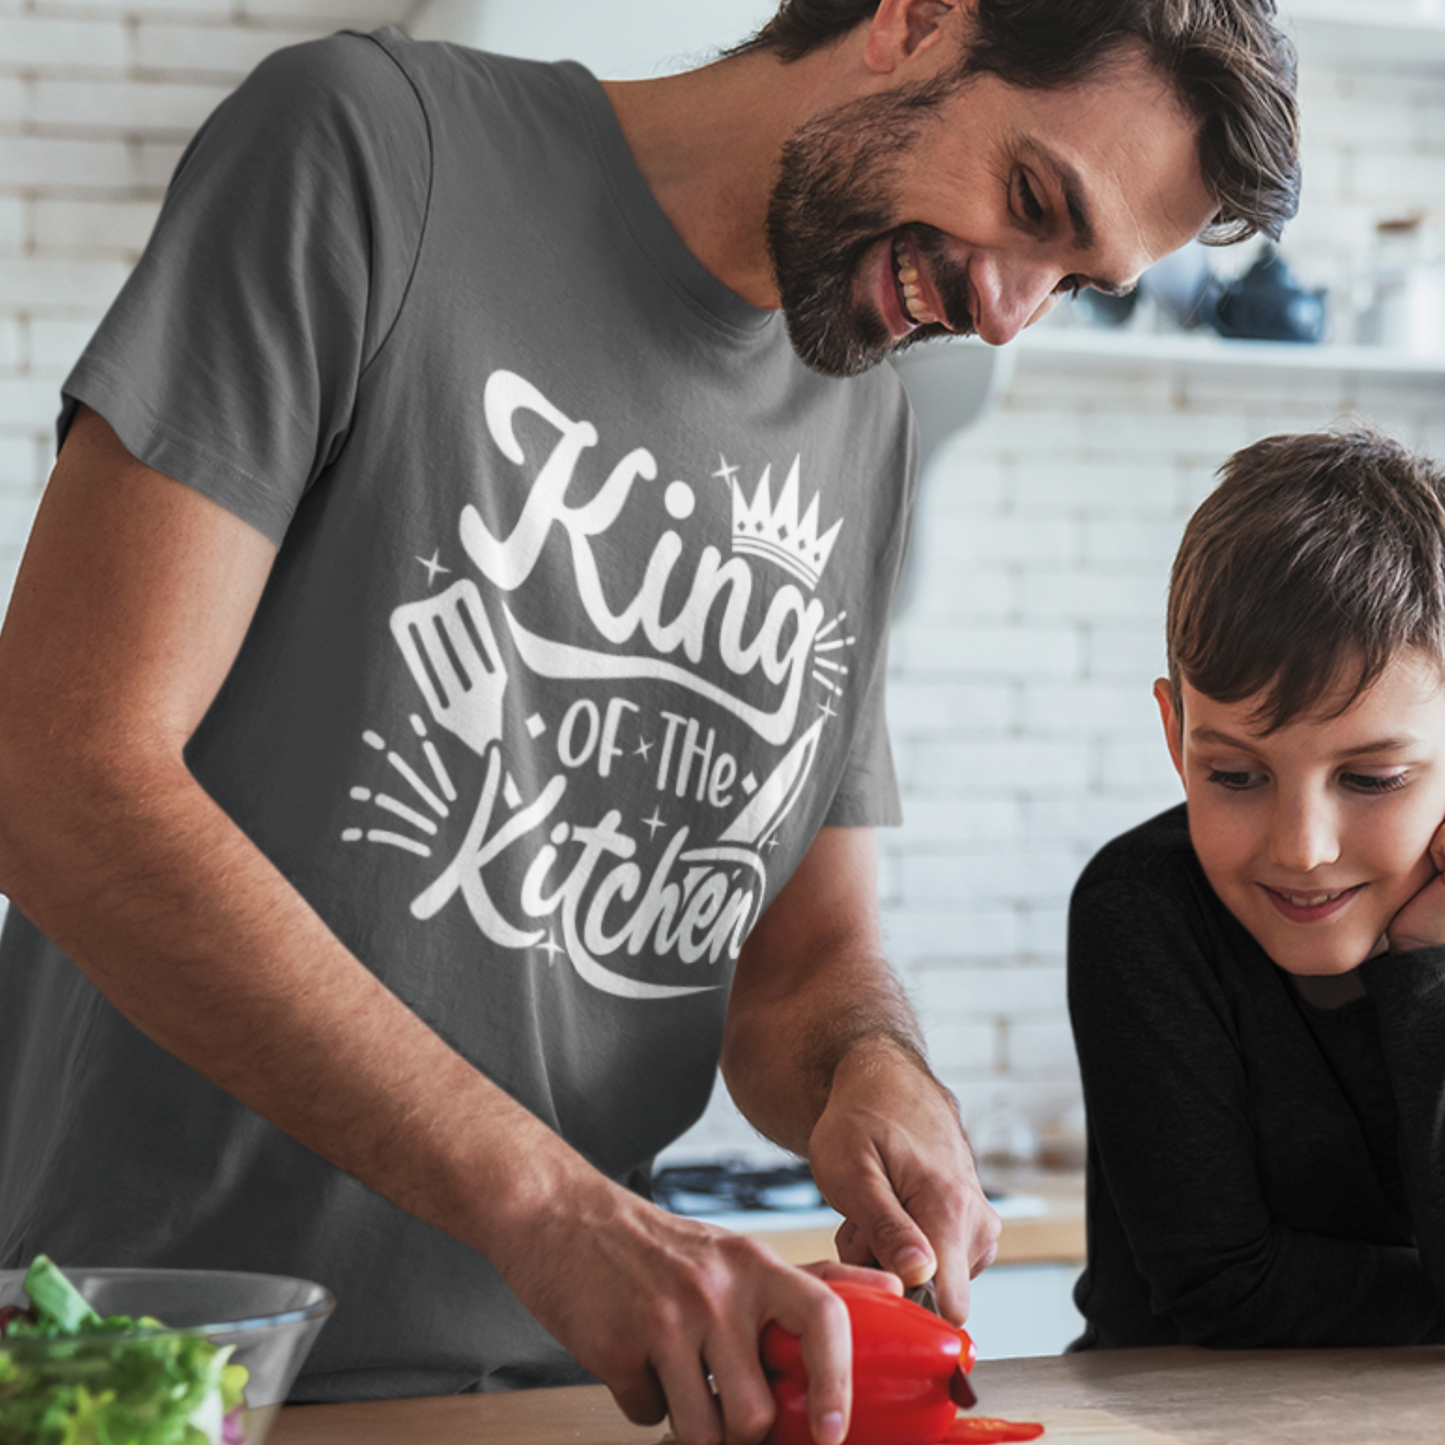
(1173, 721)
(901, 29)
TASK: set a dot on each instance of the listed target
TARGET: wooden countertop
(1054, 1237)
(1175, 1396)
(1237, 1397)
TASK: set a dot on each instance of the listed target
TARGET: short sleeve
(867, 794)
(232, 358)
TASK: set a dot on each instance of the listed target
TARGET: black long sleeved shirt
(1262, 1171)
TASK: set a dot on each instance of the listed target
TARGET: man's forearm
(133, 600)
(175, 915)
(823, 1053)
(782, 1054)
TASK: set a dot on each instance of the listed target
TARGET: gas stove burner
(729, 1186)
(734, 1184)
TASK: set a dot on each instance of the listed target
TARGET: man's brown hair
(1317, 560)
(1232, 68)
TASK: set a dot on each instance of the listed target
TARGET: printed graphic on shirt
(675, 733)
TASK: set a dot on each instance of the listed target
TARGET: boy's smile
(1316, 835)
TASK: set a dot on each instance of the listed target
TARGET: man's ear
(901, 30)
(1173, 720)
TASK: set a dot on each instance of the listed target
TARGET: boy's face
(1316, 835)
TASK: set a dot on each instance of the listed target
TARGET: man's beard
(832, 204)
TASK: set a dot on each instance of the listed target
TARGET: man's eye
(1374, 782)
(1236, 782)
(1028, 200)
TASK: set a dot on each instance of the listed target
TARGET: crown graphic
(777, 533)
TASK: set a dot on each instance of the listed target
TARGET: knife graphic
(766, 809)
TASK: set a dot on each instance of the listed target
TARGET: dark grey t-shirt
(574, 640)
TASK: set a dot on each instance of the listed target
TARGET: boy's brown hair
(1317, 559)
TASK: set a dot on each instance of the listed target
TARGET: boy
(1257, 977)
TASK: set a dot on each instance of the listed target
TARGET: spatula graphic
(452, 652)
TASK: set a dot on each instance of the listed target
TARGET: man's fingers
(826, 1342)
(691, 1405)
(980, 1231)
(743, 1395)
(640, 1397)
(899, 1244)
(896, 1241)
(868, 1275)
(853, 1246)
(986, 1255)
(951, 1288)
(889, 1239)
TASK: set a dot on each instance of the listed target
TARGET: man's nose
(1013, 294)
(1305, 834)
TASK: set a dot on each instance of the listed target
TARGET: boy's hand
(1421, 922)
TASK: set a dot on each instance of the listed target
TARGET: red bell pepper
(904, 1363)
(978, 1430)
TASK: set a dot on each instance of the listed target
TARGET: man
(441, 703)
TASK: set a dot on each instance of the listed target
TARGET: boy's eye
(1374, 782)
(1236, 781)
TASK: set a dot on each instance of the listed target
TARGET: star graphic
(826, 708)
(727, 472)
(551, 948)
(433, 566)
(642, 749)
(652, 824)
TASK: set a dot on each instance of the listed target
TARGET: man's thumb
(899, 1245)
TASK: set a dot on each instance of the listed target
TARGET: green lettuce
(137, 1389)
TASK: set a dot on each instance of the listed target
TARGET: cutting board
(584, 1416)
(1097, 1427)
(1064, 1427)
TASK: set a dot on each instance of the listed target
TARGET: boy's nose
(1305, 835)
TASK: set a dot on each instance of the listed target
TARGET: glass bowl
(271, 1320)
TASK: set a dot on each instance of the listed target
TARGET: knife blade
(959, 1389)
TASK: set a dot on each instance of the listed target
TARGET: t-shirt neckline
(647, 220)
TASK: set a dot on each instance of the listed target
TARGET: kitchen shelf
(1327, 30)
(1123, 350)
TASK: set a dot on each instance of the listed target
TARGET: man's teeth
(908, 285)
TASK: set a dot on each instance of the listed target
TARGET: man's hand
(1421, 922)
(889, 1154)
(823, 1054)
(667, 1312)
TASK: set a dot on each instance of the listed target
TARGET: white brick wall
(1005, 801)
(97, 99)
(1048, 530)
(1020, 705)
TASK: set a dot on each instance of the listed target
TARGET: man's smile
(922, 287)
(908, 276)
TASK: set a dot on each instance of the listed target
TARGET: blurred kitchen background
(1060, 471)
